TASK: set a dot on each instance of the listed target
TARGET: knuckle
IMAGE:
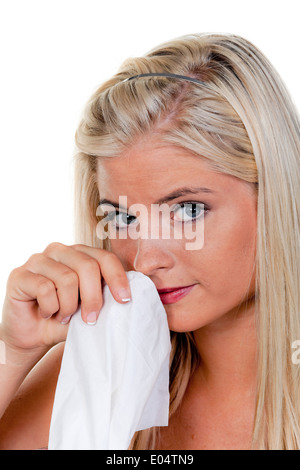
(13, 276)
(45, 287)
(53, 247)
(33, 259)
(109, 257)
(77, 246)
(14, 273)
(69, 278)
(90, 264)
(117, 261)
(110, 254)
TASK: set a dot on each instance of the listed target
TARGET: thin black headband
(171, 75)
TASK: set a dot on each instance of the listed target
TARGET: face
(222, 270)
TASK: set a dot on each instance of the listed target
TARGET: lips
(168, 296)
(170, 289)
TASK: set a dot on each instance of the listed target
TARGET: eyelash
(179, 205)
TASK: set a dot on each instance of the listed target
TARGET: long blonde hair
(243, 122)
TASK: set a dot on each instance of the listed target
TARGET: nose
(155, 249)
(152, 255)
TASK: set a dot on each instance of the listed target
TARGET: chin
(181, 323)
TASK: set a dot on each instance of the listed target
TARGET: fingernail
(125, 295)
(65, 320)
(91, 318)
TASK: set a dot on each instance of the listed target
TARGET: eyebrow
(169, 197)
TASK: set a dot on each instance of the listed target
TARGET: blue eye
(193, 210)
(118, 217)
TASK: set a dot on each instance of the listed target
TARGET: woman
(207, 113)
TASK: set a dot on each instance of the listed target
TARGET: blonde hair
(243, 122)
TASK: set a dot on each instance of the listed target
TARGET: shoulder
(25, 424)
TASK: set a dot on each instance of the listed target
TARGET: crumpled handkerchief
(114, 377)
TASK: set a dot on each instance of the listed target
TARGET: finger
(65, 280)
(89, 278)
(112, 271)
(28, 286)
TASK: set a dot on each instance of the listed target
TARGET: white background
(53, 56)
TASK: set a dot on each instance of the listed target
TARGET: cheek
(228, 256)
(118, 248)
(125, 251)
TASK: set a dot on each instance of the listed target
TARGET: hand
(42, 295)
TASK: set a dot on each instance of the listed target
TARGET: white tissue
(114, 377)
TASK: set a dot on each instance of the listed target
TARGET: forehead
(146, 172)
(160, 166)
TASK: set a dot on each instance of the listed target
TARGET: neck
(227, 348)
